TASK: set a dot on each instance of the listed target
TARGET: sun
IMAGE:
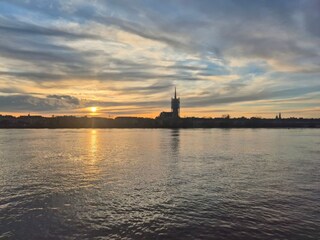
(93, 109)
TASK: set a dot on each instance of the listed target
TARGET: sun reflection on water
(93, 146)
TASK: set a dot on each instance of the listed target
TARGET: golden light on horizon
(93, 109)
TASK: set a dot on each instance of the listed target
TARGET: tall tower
(175, 105)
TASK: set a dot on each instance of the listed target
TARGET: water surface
(160, 184)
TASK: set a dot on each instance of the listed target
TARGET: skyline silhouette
(163, 120)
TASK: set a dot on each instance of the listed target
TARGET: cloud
(116, 53)
(65, 99)
(17, 28)
(25, 103)
(215, 99)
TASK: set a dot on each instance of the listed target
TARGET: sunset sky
(124, 58)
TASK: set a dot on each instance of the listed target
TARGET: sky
(238, 57)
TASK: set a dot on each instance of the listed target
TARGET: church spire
(175, 104)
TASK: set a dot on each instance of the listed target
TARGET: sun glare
(93, 109)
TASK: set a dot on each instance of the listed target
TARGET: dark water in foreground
(160, 184)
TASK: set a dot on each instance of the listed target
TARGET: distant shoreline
(34, 128)
(72, 122)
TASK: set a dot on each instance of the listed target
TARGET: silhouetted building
(175, 105)
(175, 108)
(279, 116)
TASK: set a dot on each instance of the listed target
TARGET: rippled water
(160, 184)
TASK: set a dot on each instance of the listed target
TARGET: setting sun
(93, 109)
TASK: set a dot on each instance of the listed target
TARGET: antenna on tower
(175, 92)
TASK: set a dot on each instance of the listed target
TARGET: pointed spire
(175, 93)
